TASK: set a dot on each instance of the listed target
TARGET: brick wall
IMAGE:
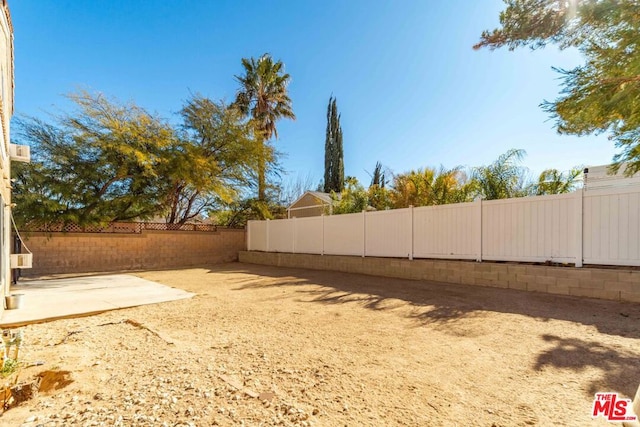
(611, 284)
(94, 252)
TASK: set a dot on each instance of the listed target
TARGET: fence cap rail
(124, 228)
(583, 227)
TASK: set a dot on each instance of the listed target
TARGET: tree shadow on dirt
(441, 303)
(620, 371)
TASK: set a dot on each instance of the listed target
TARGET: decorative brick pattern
(611, 284)
(86, 252)
(123, 227)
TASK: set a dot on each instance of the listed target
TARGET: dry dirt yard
(332, 349)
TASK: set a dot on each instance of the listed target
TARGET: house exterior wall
(101, 252)
(312, 207)
(6, 111)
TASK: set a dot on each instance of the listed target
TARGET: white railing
(591, 227)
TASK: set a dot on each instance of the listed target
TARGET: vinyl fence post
(479, 226)
(248, 228)
(411, 228)
(267, 233)
(579, 228)
(293, 224)
(364, 233)
(322, 238)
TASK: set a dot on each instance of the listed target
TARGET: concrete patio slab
(46, 300)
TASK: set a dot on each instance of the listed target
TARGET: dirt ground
(261, 346)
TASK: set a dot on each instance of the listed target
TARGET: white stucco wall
(6, 111)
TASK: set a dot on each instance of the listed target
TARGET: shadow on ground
(443, 303)
(620, 371)
(445, 306)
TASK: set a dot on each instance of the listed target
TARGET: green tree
(354, 198)
(552, 181)
(428, 187)
(333, 152)
(379, 196)
(238, 212)
(602, 95)
(503, 179)
(377, 177)
(211, 161)
(108, 162)
(264, 99)
(97, 165)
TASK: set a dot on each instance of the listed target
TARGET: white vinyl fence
(532, 229)
(612, 227)
(592, 227)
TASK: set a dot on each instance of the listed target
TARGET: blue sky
(411, 90)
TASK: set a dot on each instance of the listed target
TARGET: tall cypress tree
(333, 153)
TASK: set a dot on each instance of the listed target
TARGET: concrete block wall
(95, 252)
(610, 284)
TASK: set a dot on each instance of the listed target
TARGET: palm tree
(262, 96)
(502, 179)
(428, 187)
(552, 181)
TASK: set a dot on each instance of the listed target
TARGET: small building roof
(325, 198)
